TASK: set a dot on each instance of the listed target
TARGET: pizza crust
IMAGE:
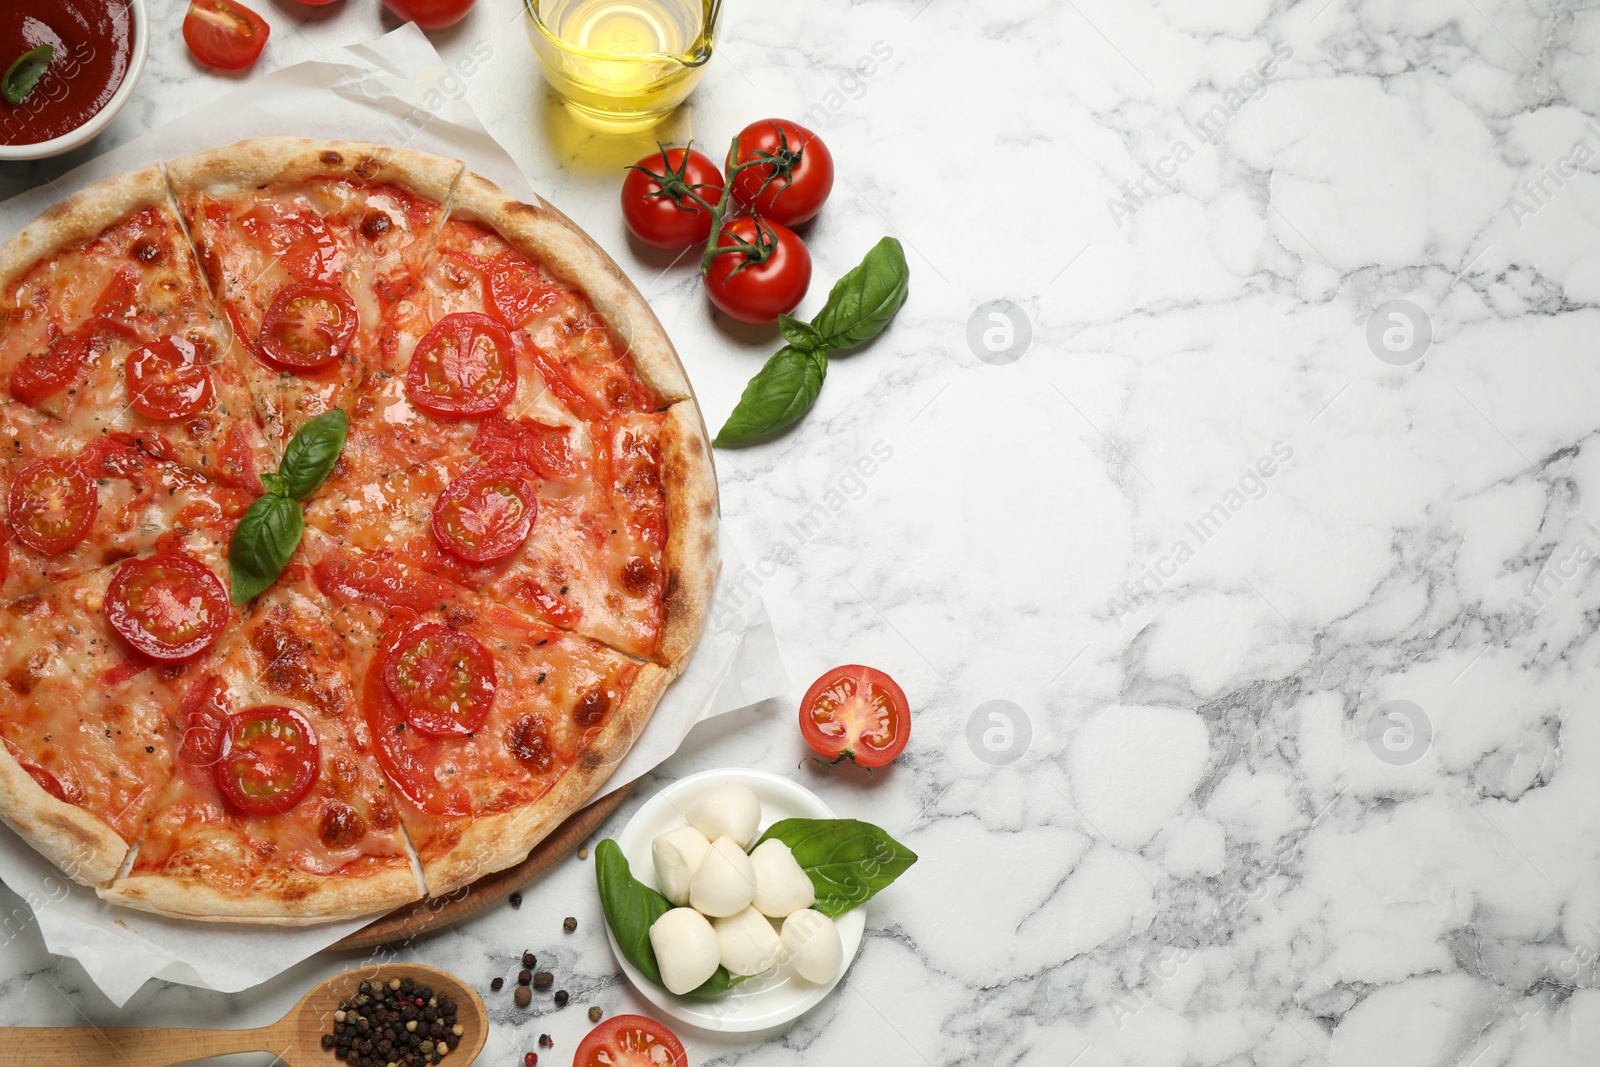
(500, 841)
(295, 899)
(690, 484)
(81, 845)
(81, 218)
(246, 164)
(556, 242)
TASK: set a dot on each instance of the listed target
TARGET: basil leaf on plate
(311, 454)
(861, 303)
(782, 391)
(848, 861)
(801, 335)
(631, 908)
(262, 543)
(24, 73)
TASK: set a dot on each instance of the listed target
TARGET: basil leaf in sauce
(777, 396)
(311, 454)
(262, 543)
(631, 908)
(25, 72)
(848, 861)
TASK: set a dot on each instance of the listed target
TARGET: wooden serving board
(427, 915)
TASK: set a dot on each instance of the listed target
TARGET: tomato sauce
(93, 43)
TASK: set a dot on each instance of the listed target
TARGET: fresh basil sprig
(269, 532)
(25, 72)
(859, 306)
(848, 861)
(631, 908)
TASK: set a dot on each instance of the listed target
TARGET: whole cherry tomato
(791, 186)
(430, 14)
(766, 277)
(659, 197)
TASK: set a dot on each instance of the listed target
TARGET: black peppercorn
(516, 900)
(569, 924)
(561, 998)
(545, 1042)
(496, 984)
(524, 976)
(529, 960)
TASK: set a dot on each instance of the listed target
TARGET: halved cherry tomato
(465, 365)
(169, 606)
(443, 680)
(167, 380)
(224, 33)
(856, 713)
(517, 289)
(308, 325)
(297, 238)
(484, 515)
(657, 203)
(759, 285)
(630, 1041)
(202, 713)
(52, 505)
(269, 759)
(791, 187)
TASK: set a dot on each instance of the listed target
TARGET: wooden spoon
(296, 1039)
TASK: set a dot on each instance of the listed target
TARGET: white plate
(765, 1000)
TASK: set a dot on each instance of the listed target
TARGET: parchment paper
(393, 90)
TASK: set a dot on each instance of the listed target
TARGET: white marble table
(1290, 598)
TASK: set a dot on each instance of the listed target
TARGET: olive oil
(623, 64)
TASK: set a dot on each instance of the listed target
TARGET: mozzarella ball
(687, 952)
(677, 855)
(726, 811)
(812, 943)
(725, 882)
(749, 943)
(782, 886)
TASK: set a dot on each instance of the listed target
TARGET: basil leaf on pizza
(848, 861)
(631, 908)
(262, 544)
(311, 454)
(861, 303)
(776, 397)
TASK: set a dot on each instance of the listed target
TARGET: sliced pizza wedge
(109, 329)
(310, 245)
(493, 726)
(278, 810)
(606, 529)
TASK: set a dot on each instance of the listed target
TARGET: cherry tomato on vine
(856, 713)
(794, 182)
(630, 1041)
(658, 197)
(224, 34)
(768, 275)
(430, 14)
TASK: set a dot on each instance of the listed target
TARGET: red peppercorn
(531, 1060)
(419, 1002)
